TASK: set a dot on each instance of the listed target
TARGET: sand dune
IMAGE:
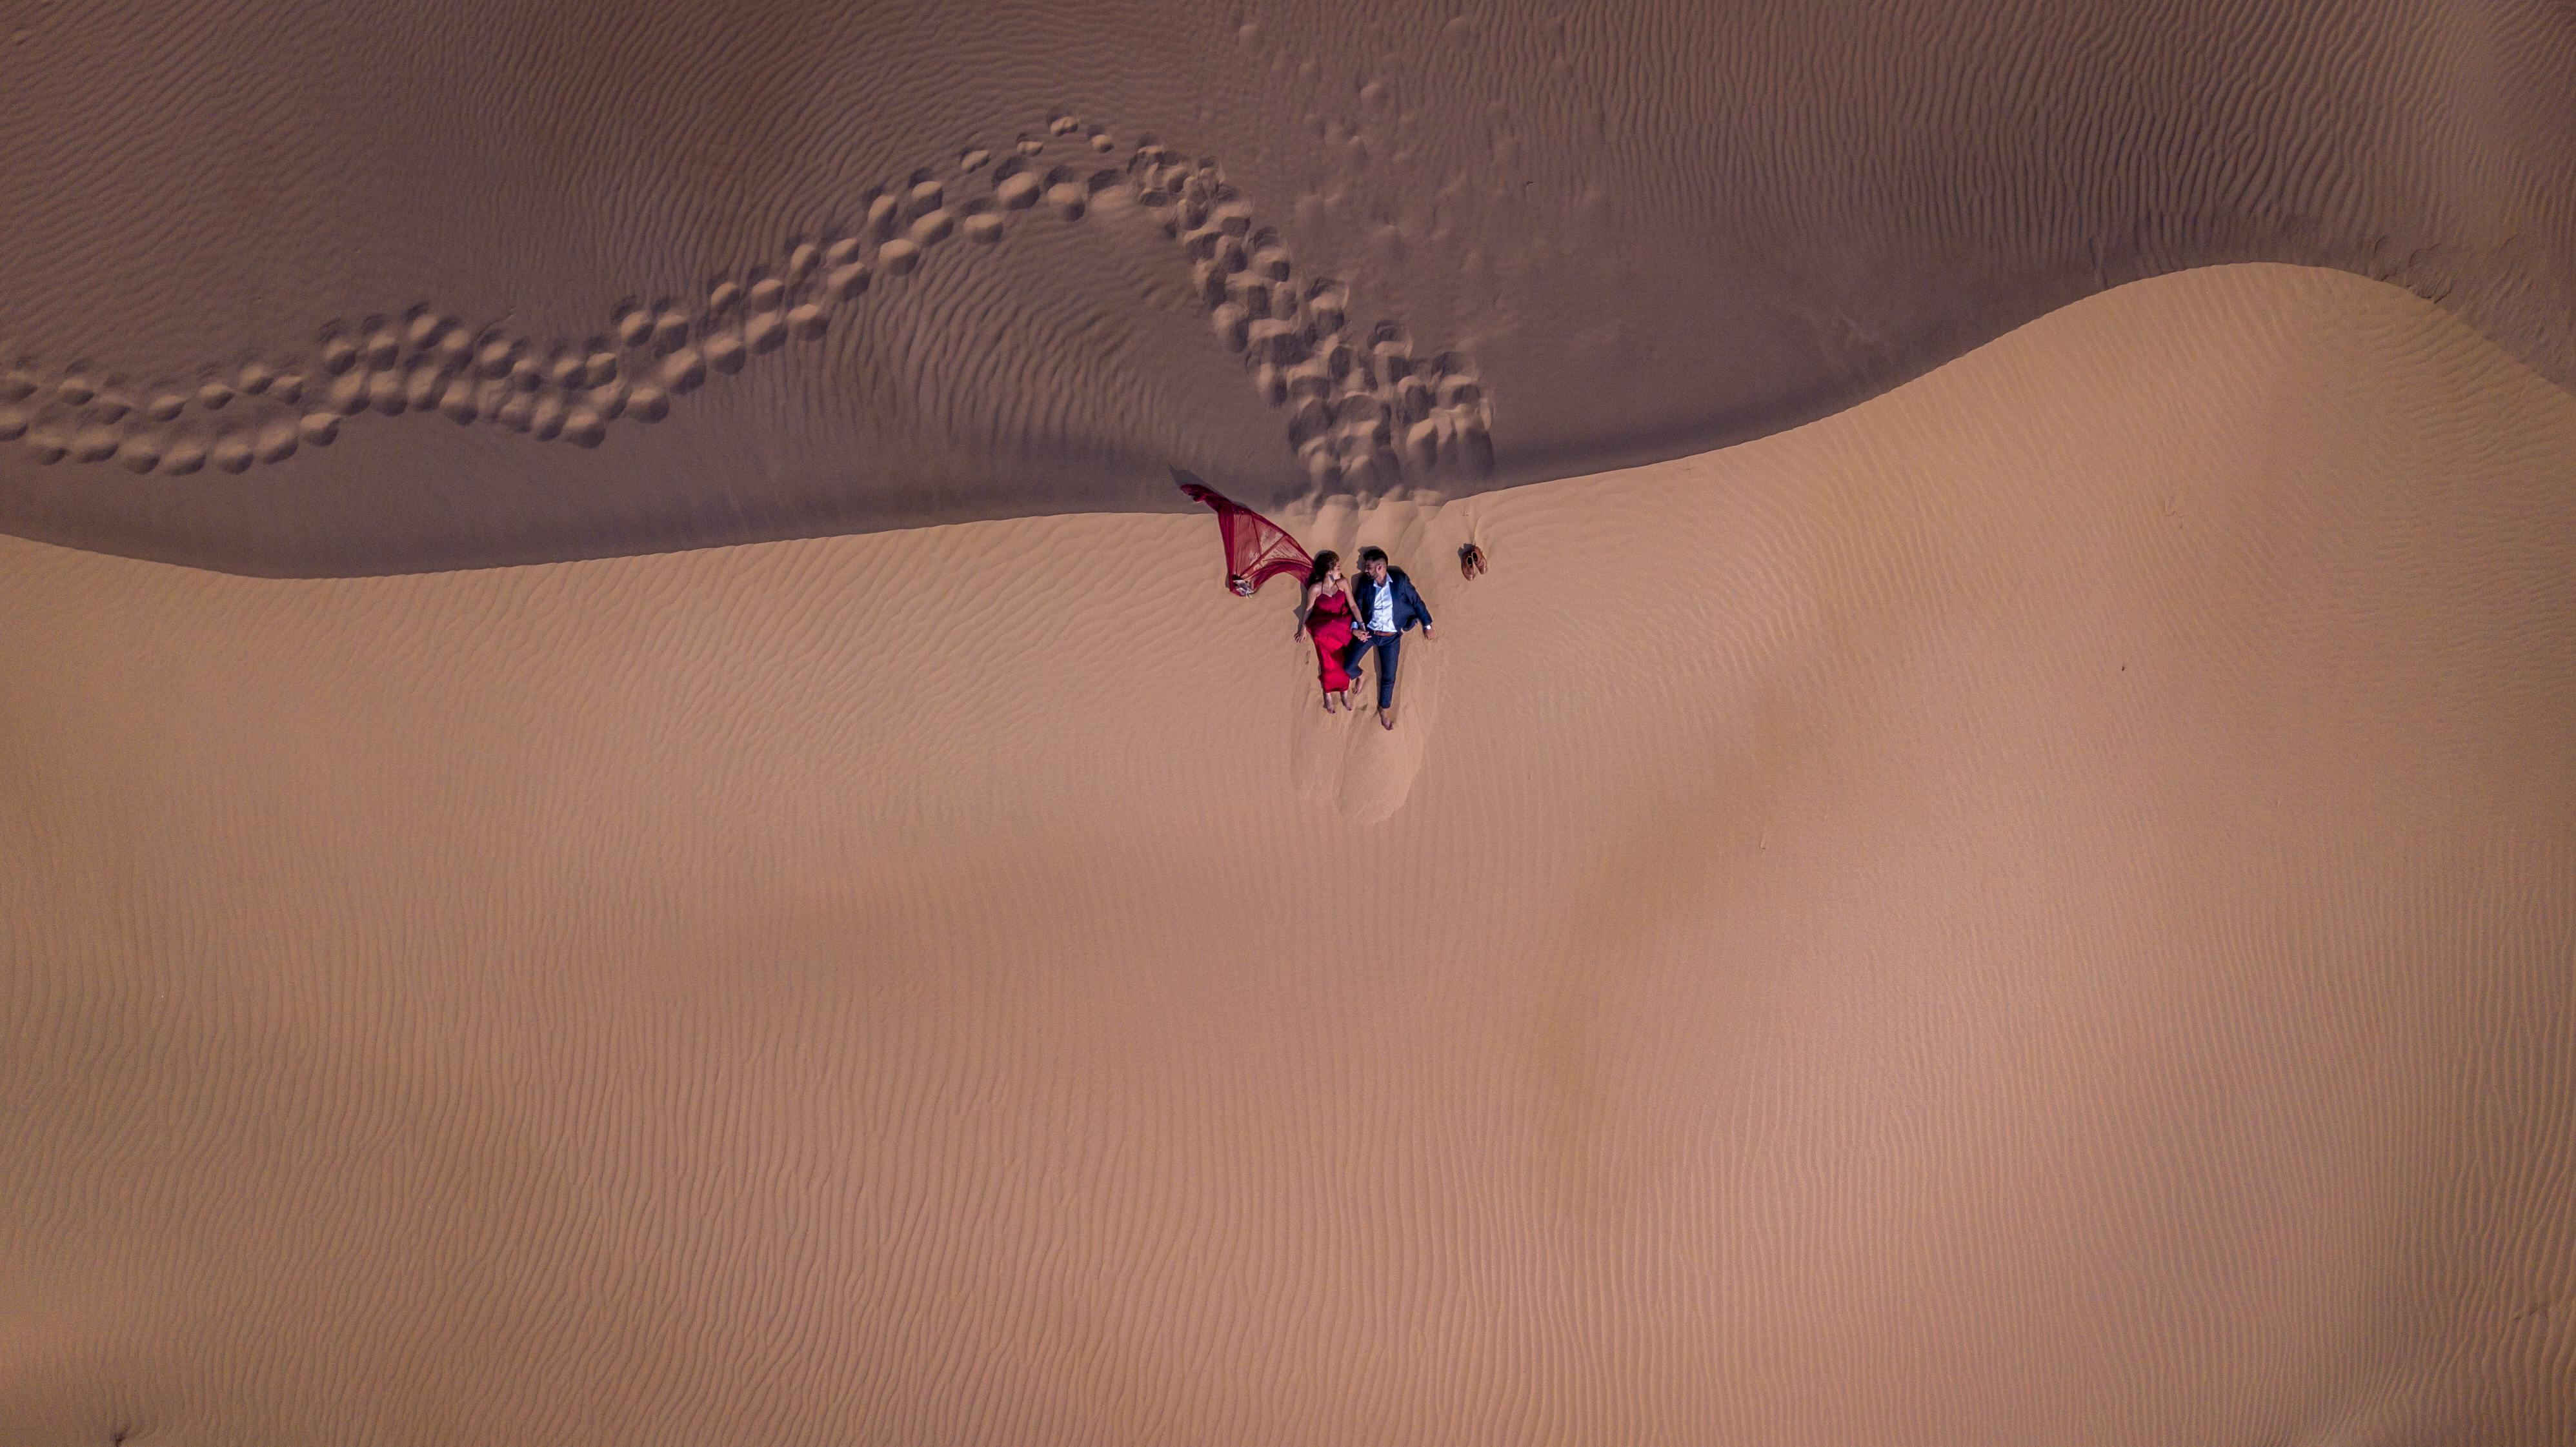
(2039, 909)
(459, 283)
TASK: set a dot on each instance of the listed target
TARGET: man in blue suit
(1384, 603)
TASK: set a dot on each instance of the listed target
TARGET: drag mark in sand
(1364, 408)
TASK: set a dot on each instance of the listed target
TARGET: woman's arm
(1305, 603)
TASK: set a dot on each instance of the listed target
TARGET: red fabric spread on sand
(1256, 549)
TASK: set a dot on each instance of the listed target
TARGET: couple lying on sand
(1348, 624)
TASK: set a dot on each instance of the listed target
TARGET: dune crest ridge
(2035, 909)
(1654, 231)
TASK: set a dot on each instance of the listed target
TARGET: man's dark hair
(1372, 555)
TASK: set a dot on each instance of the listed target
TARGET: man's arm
(1419, 607)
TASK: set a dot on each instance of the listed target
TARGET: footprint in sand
(1366, 409)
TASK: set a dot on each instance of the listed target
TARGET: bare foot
(1328, 703)
(1386, 718)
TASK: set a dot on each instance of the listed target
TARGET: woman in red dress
(1324, 613)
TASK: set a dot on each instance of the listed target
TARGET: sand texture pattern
(289, 290)
(2038, 909)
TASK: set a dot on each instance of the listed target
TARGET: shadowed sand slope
(2036, 910)
(467, 282)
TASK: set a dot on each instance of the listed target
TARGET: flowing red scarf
(1256, 549)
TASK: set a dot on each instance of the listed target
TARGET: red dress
(1329, 620)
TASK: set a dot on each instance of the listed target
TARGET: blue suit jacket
(1408, 600)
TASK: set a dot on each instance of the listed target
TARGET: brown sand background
(2039, 909)
(1637, 230)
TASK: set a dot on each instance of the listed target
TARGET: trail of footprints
(1363, 409)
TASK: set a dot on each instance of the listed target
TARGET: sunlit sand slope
(2037, 910)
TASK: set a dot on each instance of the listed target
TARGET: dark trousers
(1387, 646)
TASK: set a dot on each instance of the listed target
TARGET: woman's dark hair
(1324, 562)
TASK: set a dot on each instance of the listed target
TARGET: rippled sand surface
(295, 292)
(2039, 909)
